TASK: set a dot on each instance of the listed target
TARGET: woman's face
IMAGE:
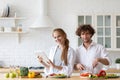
(59, 38)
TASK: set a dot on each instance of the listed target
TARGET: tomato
(101, 73)
(53, 74)
(85, 74)
(31, 74)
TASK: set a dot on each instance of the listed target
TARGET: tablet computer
(43, 55)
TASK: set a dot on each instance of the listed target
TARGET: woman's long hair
(65, 45)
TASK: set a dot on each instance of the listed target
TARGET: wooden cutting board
(110, 70)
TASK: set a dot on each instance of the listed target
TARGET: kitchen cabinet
(117, 31)
(18, 34)
(107, 27)
(103, 28)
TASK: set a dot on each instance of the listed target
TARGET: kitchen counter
(74, 77)
(71, 78)
(113, 70)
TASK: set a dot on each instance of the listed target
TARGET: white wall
(63, 14)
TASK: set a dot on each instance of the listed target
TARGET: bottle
(19, 28)
(15, 15)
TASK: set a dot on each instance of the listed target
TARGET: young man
(90, 56)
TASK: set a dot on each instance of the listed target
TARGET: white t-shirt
(86, 56)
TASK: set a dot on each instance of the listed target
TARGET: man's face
(86, 36)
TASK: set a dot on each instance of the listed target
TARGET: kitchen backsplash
(23, 54)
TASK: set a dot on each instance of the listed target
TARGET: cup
(7, 29)
(13, 29)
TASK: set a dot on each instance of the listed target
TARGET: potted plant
(117, 61)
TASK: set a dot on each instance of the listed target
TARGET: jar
(19, 28)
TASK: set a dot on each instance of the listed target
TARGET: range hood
(43, 19)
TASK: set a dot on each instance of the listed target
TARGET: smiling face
(85, 32)
(86, 36)
(59, 37)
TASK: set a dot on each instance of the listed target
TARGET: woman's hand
(43, 63)
(54, 66)
(79, 67)
(40, 59)
(51, 64)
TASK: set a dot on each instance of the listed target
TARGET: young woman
(61, 56)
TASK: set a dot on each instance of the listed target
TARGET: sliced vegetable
(85, 74)
(92, 76)
(53, 74)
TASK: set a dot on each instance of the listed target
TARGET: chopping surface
(71, 78)
(5, 70)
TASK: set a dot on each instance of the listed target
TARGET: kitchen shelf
(15, 19)
(12, 32)
(19, 34)
(15, 24)
(12, 18)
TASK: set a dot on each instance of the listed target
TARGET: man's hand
(101, 60)
(79, 67)
(95, 62)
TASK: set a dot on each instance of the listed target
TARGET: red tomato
(102, 73)
(85, 74)
(52, 74)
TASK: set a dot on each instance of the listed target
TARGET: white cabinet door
(103, 30)
(117, 31)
